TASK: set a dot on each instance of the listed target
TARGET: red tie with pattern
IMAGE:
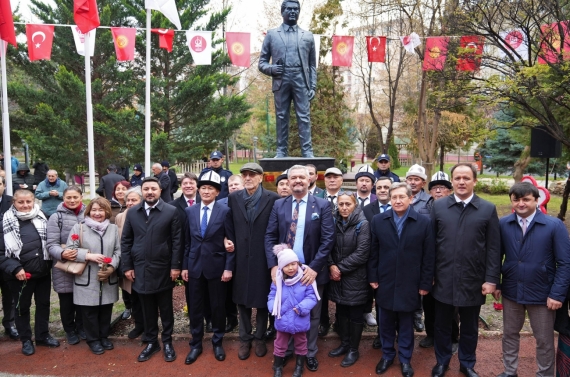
(190, 202)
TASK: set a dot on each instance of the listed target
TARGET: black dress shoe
(12, 332)
(323, 330)
(439, 370)
(231, 325)
(507, 375)
(407, 370)
(126, 314)
(169, 354)
(377, 343)
(383, 365)
(219, 353)
(193, 355)
(107, 344)
(469, 372)
(82, 334)
(418, 325)
(149, 350)
(72, 337)
(270, 333)
(135, 333)
(312, 364)
(47, 341)
(209, 328)
(28, 348)
(96, 348)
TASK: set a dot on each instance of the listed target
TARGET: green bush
(496, 187)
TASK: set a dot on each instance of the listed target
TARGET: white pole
(6, 121)
(147, 102)
(90, 136)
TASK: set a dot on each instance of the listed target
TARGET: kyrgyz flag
(124, 38)
(342, 51)
(238, 48)
(551, 43)
(470, 52)
(40, 40)
(376, 47)
(85, 14)
(7, 32)
(165, 38)
(435, 53)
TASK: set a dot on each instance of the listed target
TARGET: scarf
(399, 221)
(55, 184)
(11, 225)
(77, 210)
(251, 202)
(99, 227)
(279, 278)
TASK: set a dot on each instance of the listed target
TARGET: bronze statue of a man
(293, 68)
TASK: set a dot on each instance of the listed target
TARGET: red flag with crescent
(551, 43)
(40, 41)
(435, 53)
(124, 38)
(238, 48)
(470, 52)
(342, 49)
(86, 15)
(165, 38)
(376, 47)
(7, 32)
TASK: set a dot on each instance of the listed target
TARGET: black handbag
(562, 321)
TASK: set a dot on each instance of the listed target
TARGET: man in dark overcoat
(251, 208)
(467, 266)
(151, 257)
(400, 267)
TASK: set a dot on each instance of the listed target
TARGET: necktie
(331, 198)
(523, 221)
(362, 200)
(384, 207)
(461, 205)
(190, 202)
(293, 228)
(204, 223)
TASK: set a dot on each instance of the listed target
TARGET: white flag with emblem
(79, 38)
(200, 45)
(166, 7)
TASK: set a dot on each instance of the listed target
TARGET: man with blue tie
(207, 266)
(305, 223)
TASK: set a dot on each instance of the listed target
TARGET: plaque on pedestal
(273, 167)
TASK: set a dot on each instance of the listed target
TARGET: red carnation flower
(498, 306)
(107, 260)
(74, 237)
(28, 276)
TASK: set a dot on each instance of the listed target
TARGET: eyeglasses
(342, 192)
(439, 188)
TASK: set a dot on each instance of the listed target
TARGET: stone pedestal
(273, 167)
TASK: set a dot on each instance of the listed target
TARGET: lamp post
(255, 148)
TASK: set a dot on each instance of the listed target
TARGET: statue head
(290, 10)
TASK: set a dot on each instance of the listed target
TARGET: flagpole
(147, 101)
(6, 121)
(90, 136)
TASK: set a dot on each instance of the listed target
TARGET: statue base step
(273, 167)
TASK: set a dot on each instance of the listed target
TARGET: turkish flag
(238, 48)
(470, 52)
(435, 53)
(124, 38)
(7, 32)
(165, 38)
(376, 47)
(40, 40)
(551, 43)
(86, 15)
(342, 51)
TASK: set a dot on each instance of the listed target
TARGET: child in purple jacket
(291, 303)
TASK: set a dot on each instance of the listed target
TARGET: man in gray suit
(292, 53)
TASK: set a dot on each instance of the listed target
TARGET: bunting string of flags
(40, 41)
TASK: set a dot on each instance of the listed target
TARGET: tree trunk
(521, 164)
(564, 205)
(441, 158)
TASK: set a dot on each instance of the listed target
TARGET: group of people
(238, 246)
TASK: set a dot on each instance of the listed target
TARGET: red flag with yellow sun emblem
(124, 38)
(551, 43)
(435, 53)
(238, 48)
(342, 51)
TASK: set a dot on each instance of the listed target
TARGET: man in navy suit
(207, 266)
(312, 241)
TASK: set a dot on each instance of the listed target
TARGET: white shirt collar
(466, 201)
(528, 218)
(210, 206)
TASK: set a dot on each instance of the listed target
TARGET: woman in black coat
(349, 285)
